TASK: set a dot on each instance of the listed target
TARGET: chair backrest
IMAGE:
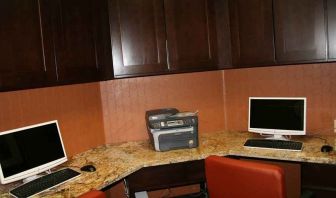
(234, 178)
(93, 194)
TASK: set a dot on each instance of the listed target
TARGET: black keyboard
(43, 183)
(274, 144)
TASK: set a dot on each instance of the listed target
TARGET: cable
(126, 189)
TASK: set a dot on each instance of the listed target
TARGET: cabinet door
(223, 34)
(331, 7)
(191, 34)
(80, 50)
(300, 30)
(138, 37)
(25, 45)
(251, 25)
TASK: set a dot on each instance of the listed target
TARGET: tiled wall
(114, 111)
(76, 107)
(317, 82)
(125, 102)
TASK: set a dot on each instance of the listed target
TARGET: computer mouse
(326, 148)
(88, 168)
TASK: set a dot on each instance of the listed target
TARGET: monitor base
(31, 178)
(277, 137)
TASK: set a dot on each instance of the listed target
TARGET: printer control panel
(188, 121)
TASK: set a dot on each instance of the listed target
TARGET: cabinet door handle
(167, 50)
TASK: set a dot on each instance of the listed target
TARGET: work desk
(116, 161)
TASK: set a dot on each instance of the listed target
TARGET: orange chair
(93, 194)
(233, 178)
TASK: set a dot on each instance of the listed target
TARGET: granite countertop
(116, 161)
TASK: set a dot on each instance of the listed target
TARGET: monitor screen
(30, 150)
(285, 116)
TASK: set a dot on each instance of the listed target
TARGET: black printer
(170, 129)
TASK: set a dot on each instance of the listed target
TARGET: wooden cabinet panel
(25, 47)
(331, 10)
(300, 30)
(138, 37)
(78, 50)
(191, 34)
(223, 34)
(166, 176)
(318, 179)
(251, 25)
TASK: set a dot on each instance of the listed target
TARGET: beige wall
(77, 109)
(317, 82)
(114, 111)
(125, 102)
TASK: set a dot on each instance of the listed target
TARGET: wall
(114, 111)
(125, 102)
(314, 81)
(76, 107)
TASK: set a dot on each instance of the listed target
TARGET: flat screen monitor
(277, 116)
(27, 151)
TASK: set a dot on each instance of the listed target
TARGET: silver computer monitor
(277, 116)
(27, 151)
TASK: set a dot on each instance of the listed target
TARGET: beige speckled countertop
(116, 161)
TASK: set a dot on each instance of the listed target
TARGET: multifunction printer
(170, 129)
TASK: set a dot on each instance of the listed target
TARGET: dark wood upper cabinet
(191, 34)
(252, 35)
(138, 37)
(331, 10)
(300, 32)
(80, 51)
(160, 36)
(47, 43)
(25, 46)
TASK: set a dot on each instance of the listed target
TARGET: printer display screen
(175, 123)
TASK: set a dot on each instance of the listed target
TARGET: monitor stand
(277, 137)
(31, 178)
